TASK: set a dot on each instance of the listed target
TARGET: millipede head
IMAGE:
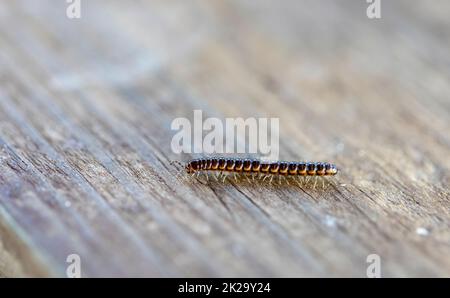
(330, 169)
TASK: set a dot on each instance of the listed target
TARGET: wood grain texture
(85, 112)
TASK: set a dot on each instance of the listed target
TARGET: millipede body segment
(250, 166)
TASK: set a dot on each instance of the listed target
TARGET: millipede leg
(246, 177)
(279, 179)
(287, 181)
(224, 178)
(271, 178)
(193, 175)
(235, 177)
(315, 182)
(323, 183)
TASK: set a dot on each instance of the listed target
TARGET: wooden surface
(85, 112)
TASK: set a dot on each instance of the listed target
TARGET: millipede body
(250, 166)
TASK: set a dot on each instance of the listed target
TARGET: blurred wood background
(85, 112)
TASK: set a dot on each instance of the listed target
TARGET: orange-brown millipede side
(261, 170)
(235, 165)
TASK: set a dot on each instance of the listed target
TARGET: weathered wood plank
(85, 113)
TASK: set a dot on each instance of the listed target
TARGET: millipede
(262, 170)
